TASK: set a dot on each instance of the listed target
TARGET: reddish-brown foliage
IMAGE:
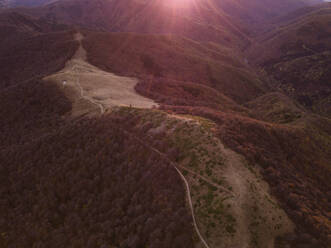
(80, 183)
(84, 183)
(295, 159)
(25, 57)
(173, 58)
(29, 111)
(173, 92)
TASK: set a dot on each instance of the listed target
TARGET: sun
(178, 3)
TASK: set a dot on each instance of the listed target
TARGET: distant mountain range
(229, 22)
(27, 3)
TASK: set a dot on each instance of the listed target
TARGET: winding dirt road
(188, 191)
(93, 91)
(105, 90)
(208, 181)
(101, 107)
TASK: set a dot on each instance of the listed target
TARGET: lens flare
(178, 3)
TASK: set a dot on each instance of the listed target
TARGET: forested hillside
(176, 59)
(279, 134)
(31, 49)
(236, 146)
(81, 183)
(297, 55)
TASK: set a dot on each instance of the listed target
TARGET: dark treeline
(25, 57)
(83, 184)
(179, 93)
(29, 111)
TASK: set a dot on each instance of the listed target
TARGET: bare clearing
(259, 218)
(232, 202)
(92, 90)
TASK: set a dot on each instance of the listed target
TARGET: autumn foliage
(76, 183)
(24, 56)
(83, 183)
(294, 157)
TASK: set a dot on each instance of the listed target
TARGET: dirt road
(188, 191)
(93, 91)
(104, 90)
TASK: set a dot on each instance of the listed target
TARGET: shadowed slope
(298, 56)
(174, 58)
(28, 49)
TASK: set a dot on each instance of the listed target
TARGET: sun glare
(178, 3)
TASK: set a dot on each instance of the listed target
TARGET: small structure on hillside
(64, 83)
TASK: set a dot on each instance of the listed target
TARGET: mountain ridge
(234, 114)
